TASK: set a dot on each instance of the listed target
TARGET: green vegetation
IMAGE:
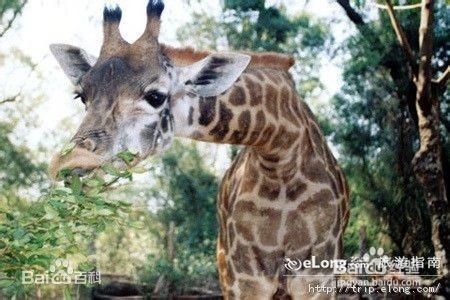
(33, 234)
(187, 191)
(375, 128)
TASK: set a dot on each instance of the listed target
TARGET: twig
(352, 14)
(10, 99)
(16, 13)
(399, 7)
(442, 80)
(401, 36)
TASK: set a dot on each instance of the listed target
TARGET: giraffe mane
(188, 55)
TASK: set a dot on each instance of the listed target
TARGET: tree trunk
(427, 161)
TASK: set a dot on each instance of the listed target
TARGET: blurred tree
(187, 191)
(375, 127)
(6, 6)
(16, 168)
(427, 162)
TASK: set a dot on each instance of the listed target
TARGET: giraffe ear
(214, 74)
(74, 61)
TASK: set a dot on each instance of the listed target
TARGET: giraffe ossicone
(284, 194)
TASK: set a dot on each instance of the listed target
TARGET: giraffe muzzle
(79, 160)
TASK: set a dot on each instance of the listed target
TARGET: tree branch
(442, 80)
(9, 99)
(16, 13)
(401, 36)
(352, 14)
(400, 7)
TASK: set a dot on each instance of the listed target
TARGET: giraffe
(284, 194)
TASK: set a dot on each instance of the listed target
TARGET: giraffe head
(128, 92)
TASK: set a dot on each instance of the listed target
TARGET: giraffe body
(283, 196)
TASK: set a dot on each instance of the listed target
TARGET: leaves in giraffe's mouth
(127, 156)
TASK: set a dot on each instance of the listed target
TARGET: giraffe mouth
(80, 161)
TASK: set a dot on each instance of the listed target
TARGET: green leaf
(123, 203)
(18, 233)
(94, 192)
(138, 169)
(76, 184)
(126, 156)
(63, 191)
(94, 182)
(65, 172)
(67, 293)
(50, 213)
(9, 216)
(104, 212)
(136, 224)
(109, 169)
(5, 283)
(86, 266)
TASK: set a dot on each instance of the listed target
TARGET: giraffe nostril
(88, 144)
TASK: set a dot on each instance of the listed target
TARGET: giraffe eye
(155, 99)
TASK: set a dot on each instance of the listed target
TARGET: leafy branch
(58, 224)
(16, 13)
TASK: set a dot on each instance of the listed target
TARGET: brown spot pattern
(297, 235)
(257, 73)
(285, 108)
(241, 259)
(243, 127)
(267, 262)
(268, 226)
(255, 91)
(231, 234)
(319, 199)
(307, 151)
(325, 251)
(274, 77)
(295, 189)
(269, 189)
(230, 273)
(207, 110)
(289, 170)
(257, 128)
(316, 137)
(242, 225)
(237, 96)
(222, 126)
(250, 179)
(273, 158)
(248, 288)
(284, 139)
(266, 135)
(272, 100)
(314, 170)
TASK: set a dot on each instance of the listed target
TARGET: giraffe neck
(260, 110)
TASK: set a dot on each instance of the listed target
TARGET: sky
(79, 23)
